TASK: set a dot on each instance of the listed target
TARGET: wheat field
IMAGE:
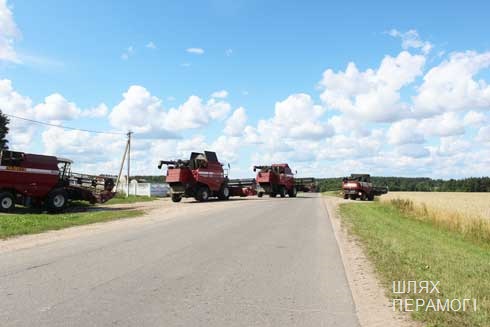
(468, 213)
(471, 205)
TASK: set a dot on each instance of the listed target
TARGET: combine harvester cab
(202, 177)
(38, 180)
(360, 186)
(278, 179)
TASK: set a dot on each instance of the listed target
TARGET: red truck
(278, 179)
(360, 186)
(203, 177)
(37, 180)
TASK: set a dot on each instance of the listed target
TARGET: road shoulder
(373, 307)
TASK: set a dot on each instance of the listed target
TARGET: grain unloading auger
(203, 177)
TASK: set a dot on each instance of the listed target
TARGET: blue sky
(262, 53)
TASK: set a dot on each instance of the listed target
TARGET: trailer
(202, 177)
(34, 180)
(360, 186)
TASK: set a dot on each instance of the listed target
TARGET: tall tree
(4, 130)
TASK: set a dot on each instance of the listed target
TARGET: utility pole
(129, 159)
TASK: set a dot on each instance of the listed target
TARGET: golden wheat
(465, 212)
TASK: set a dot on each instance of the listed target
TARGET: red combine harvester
(203, 177)
(360, 186)
(278, 179)
(36, 180)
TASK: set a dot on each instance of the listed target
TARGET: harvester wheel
(282, 192)
(363, 197)
(176, 197)
(346, 196)
(370, 197)
(293, 192)
(57, 200)
(260, 194)
(353, 197)
(272, 195)
(224, 193)
(7, 201)
(202, 194)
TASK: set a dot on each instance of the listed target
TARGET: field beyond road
(465, 204)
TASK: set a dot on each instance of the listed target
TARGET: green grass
(404, 248)
(32, 223)
(120, 199)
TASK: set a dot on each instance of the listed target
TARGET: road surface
(257, 262)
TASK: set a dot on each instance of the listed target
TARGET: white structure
(143, 189)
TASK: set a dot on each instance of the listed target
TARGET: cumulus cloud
(405, 132)
(8, 33)
(56, 107)
(411, 39)
(220, 94)
(235, 125)
(198, 51)
(452, 85)
(144, 113)
(373, 95)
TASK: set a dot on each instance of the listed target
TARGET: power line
(64, 127)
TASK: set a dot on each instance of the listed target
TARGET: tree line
(419, 184)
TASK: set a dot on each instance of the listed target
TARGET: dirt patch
(373, 307)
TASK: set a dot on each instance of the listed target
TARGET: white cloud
(411, 39)
(235, 125)
(483, 135)
(372, 95)
(151, 45)
(405, 132)
(198, 51)
(474, 118)
(451, 85)
(144, 113)
(56, 107)
(97, 112)
(129, 52)
(220, 94)
(8, 34)
(412, 150)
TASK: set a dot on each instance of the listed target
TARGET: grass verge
(337, 194)
(121, 199)
(406, 249)
(20, 224)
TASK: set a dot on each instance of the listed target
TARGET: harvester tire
(202, 194)
(353, 197)
(346, 196)
(293, 192)
(282, 192)
(57, 200)
(176, 197)
(260, 194)
(363, 197)
(7, 201)
(272, 195)
(370, 197)
(224, 193)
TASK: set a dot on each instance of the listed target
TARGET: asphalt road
(263, 262)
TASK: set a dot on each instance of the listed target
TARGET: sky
(332, 88)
